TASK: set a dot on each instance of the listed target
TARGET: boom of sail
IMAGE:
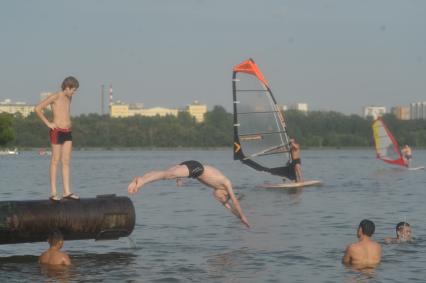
(387, 148)
(260, 133)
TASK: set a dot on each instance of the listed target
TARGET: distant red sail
(387, 148)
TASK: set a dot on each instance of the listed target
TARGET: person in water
(53, 256)
(60, 134)
(365, 252)
(407, 155)
(205, 174)
(296, 162)
(403, 234)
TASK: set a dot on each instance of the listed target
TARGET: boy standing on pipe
(60, 135)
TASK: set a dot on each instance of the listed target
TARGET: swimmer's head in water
(55, 238)
(222, 196)
(403, 231)
(367, 227)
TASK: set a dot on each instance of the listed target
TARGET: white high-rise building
(418, 110)
(300, 107)
(374, 111)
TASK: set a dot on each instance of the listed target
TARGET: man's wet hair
(70, 82)
(401, 225)
(55, 237)
(367, 227)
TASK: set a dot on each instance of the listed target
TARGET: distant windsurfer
(296, 163)
(205, 174)
(407, 155)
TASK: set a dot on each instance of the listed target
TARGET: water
(184, 235)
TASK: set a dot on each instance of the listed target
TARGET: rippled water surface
(184, 235)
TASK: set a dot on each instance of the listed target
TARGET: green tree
(7, 133)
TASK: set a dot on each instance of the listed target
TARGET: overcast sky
(332, 54)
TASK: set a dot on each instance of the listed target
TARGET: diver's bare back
(213, 178)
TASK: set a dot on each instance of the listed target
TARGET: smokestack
(110, 94)
(102, 99)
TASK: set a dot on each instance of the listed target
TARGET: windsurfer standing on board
(296, 163)
(207, 175)
(407, 155)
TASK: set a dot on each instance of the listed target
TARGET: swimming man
(403, 234)
(365, 252)
(205, 174)
(53, 256)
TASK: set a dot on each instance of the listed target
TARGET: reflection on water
(359, 274)
(183, 235)
(56, 273)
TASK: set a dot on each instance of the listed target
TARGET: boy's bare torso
(61, 110)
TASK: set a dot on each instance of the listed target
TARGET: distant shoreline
(189, 148)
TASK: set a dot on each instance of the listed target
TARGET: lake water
(184, 235)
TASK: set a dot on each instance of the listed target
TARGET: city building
(44, 95)
(121, 109)
(197, 111)
(374, 111)
(7, 106)
(300, 107)
(418, 110)
(401, 112)
(157, 111)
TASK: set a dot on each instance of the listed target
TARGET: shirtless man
(60, 134)
(403, 234)
(296, 163)
(407, 155)
(365, 252)
(207, 175)
(53, 256)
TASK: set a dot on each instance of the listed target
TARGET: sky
(335, 55)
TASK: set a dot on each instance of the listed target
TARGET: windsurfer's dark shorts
(296, 161)
(195, 168)
(408, 157)
(59, 136)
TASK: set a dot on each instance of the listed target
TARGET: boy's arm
(347, 257)
(43, 104)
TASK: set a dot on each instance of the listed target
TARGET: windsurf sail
(260, 133)
(387, 148)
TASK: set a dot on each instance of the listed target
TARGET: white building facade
(374, 111)
(418, 110)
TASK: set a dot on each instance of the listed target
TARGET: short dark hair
(367, 227)
(70, 82)
(401, 225)
(55, 237)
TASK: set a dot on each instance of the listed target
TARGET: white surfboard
(290, 185)
(416, 168)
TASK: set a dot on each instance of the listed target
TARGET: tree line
(311, 129)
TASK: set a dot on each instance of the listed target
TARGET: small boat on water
(9, 151)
